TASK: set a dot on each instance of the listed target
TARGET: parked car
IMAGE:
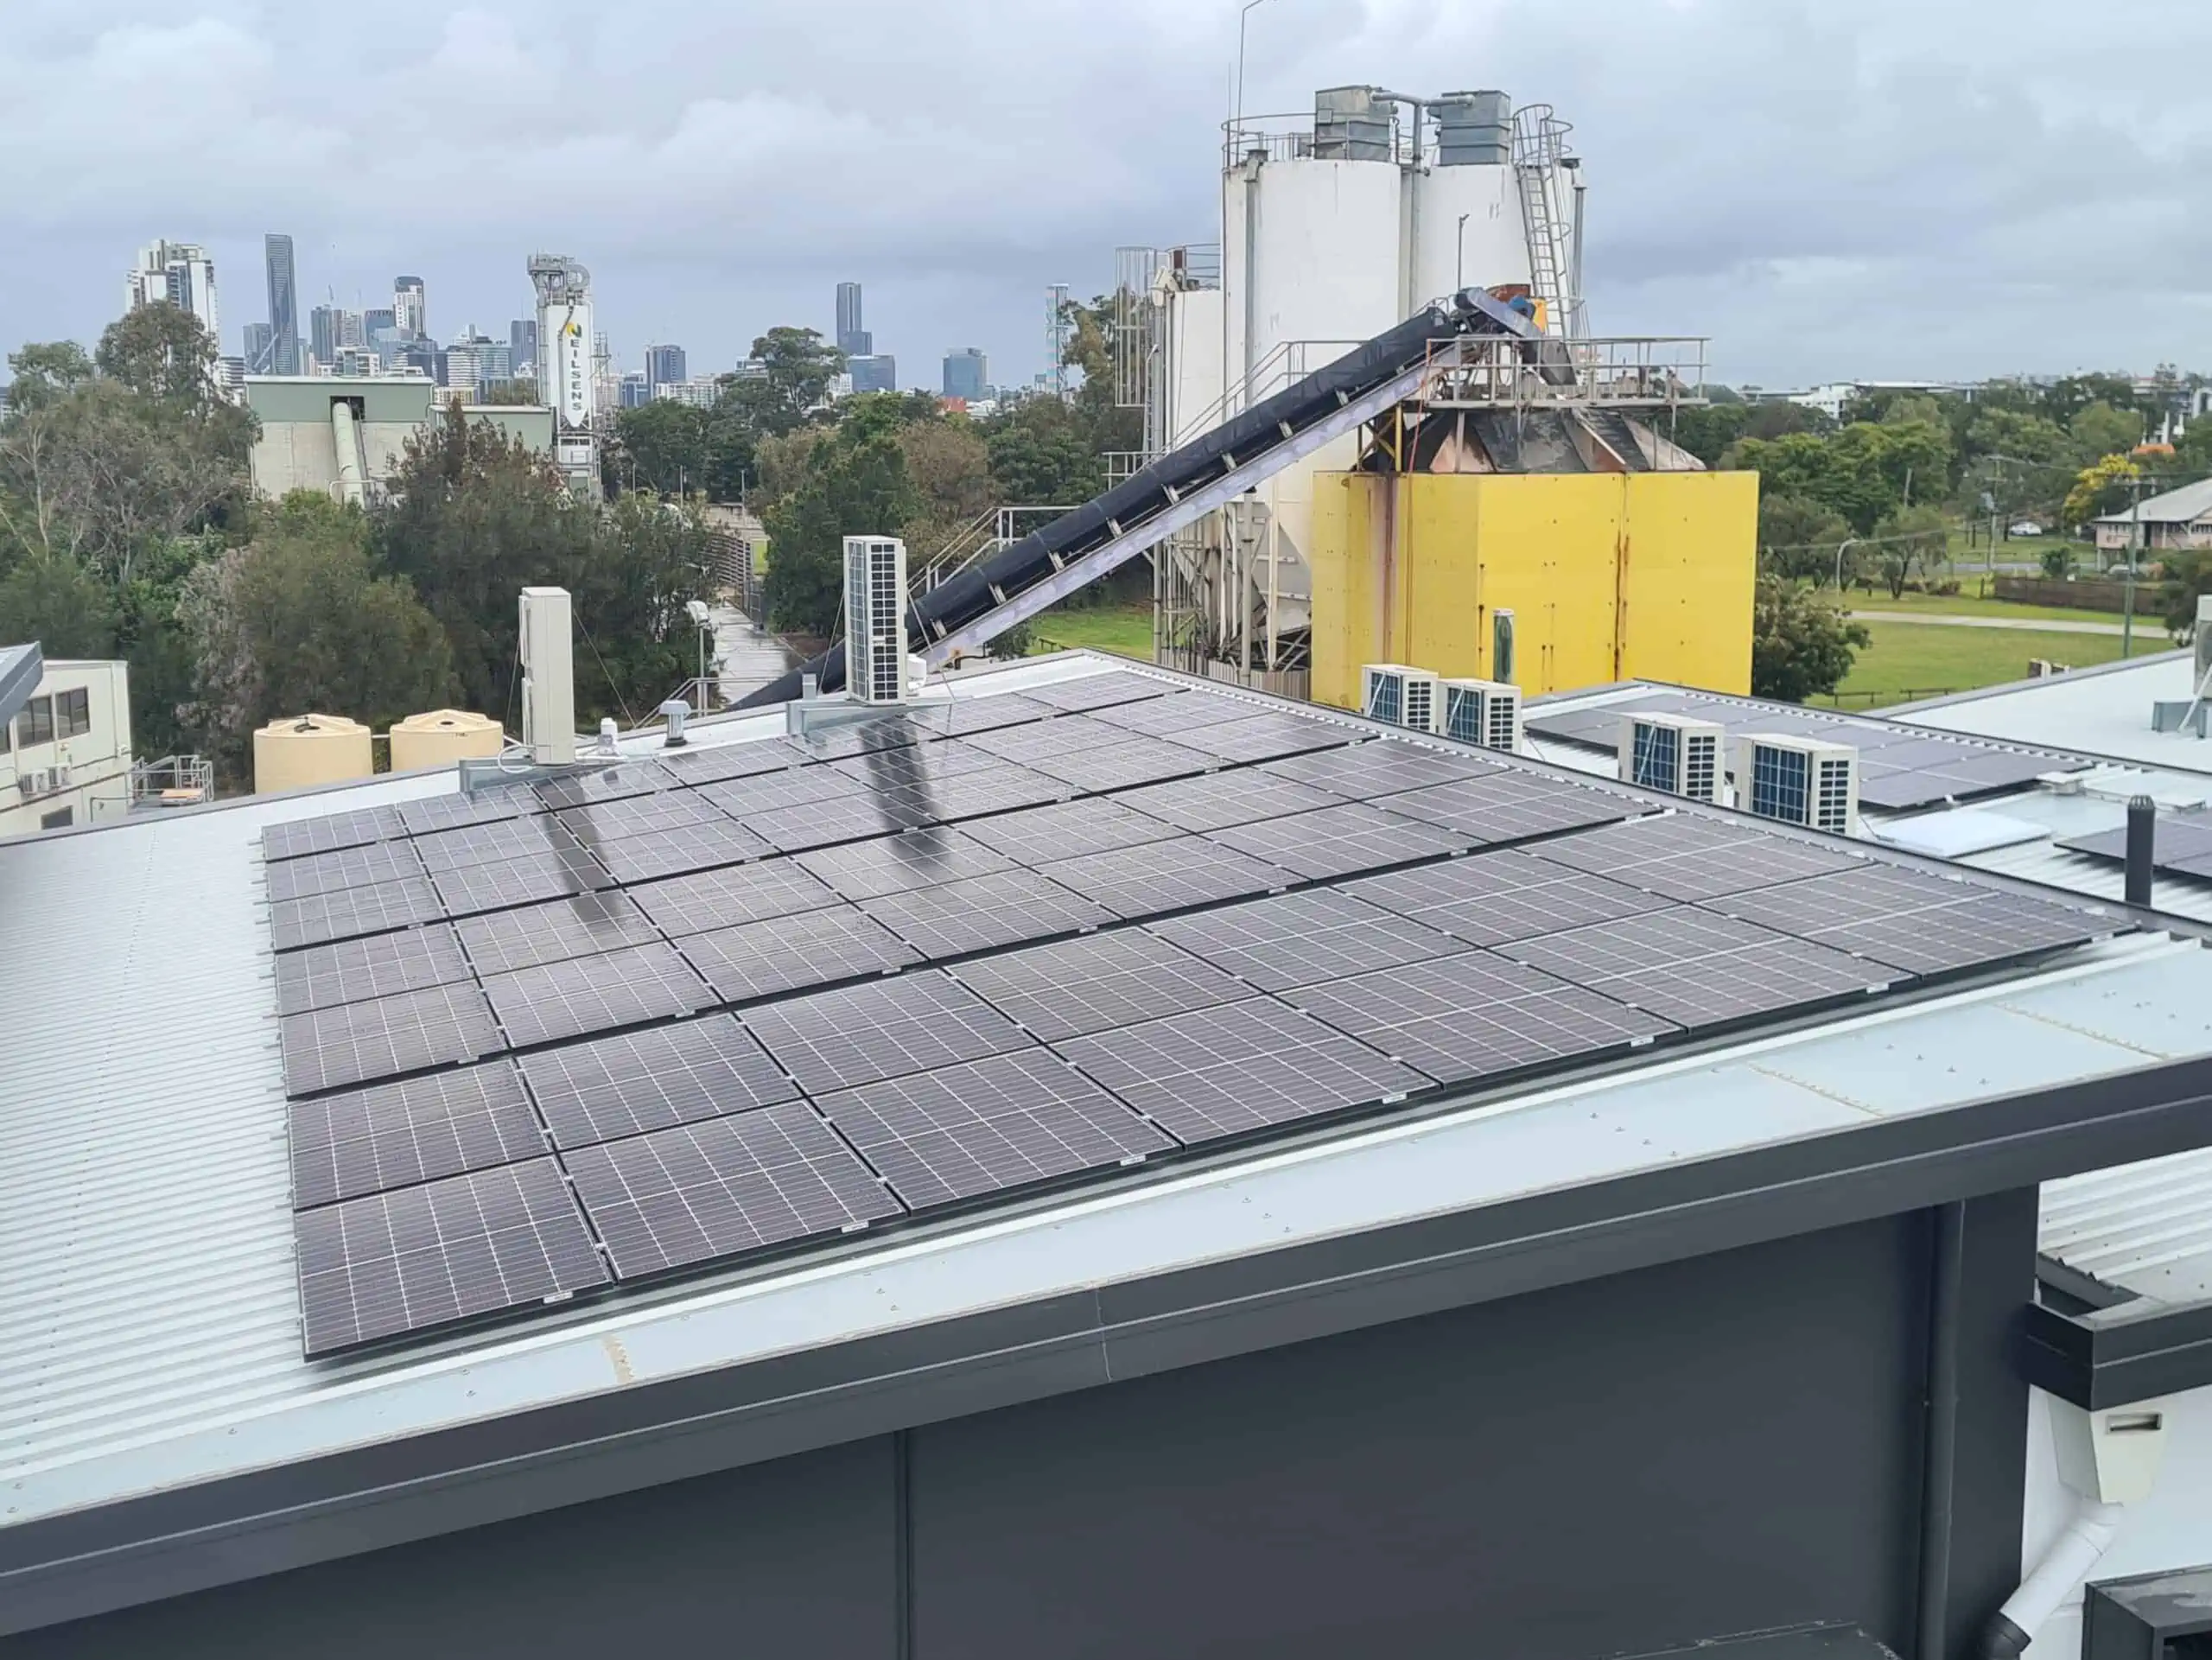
(2026, 527)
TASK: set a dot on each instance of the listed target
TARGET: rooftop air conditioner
(1798, 781)
(875, 619)
(1674, 753)
(1485, 712)
(1398, 695)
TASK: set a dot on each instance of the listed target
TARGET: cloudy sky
(1828, 188)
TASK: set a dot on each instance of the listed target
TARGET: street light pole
(1839, 548)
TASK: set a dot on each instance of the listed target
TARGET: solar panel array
(545, 1040)
(1900, 767)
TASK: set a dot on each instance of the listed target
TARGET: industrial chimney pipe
(2142, 829)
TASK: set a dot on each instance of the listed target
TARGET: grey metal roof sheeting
(20, 669)
(2191, 501)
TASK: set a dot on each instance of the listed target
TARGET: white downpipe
(2068, 1562)
(346, 439)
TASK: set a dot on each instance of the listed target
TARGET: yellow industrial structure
(1613, 576)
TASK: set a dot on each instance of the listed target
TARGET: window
(73, 713)
(35, 723)
(58, 819)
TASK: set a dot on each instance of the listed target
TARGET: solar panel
(1243, 795)
(442, 812)
(1297, 939)
(582, 925)
(786, 953)
(1144, 881)
(1097, 981)
(1179, 712)
(359, 1043)
(1099, 690)
(1600, 727)
(1475, 1016)
(960, 715)
(612, 821)
(856, 738)
(1688, 856)
(717, 899)
(329, 833)
(354, 971)
(1508, 806)
(1120, 766)
(986, 1126)
(615, 783)
(692, 766)
(1236, 1068)
(2175, 837)
(825, 823)
(1696, 968)
(352, 912)
(501, 839)
(448, 1251)
(418, 1130)
(1336, 841)
(915, 1023)
(1382, 767)
(1004, 789)
(1024, 744)
(894, 864)
(885, 769)
(1039, 835)
(518, 880)
(329, 872)
(681, 848)
(742, 797)
(1001, 908)
(1266, 737)
(640, 1081)
(595, 994)
(1501, 896)
(724, 1187)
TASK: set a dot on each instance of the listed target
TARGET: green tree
(44, 371)
(2103, 486)
(1040, 457)
(1909, 539)
(853, 482)
(2188, 575)
(951, 473)
(796, 367)
(160, 352)
(660, 445)
(57, 601)
(1802, 643)
(1800, 538)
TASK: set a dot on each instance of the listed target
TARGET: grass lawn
(1965, 604)
(1909, 661)
(1123, 628)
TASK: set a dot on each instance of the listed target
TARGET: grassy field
(1123, 628)
(1966, 604)
(1918, 661)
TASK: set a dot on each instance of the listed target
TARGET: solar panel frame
(828, 824)
(329, 833)
(751, 960)
(679, 850)
(423, 1129)
(725, 1187)
(1099, 690)
(798, 787)
(1303, 938)
(1097, 981)
(992, 1126)
(1000, 907)
(353, 911)
(376, 965)
(633, 1083)
(555, 931)
(1181, 711)
(582, 995)
(1503, 895)
(2176, 838)
(492, 843)
(923, 858)
(1039, 835)
(524, 879)
(718, 763)
(1690, 857)
(977, 795)
(1338, 841)
(1061, 735)
(959, 717)
(885, 769)
(1267, 737)
(1123, 765)
(1163, 876)
(1380, 767)
(390, 1264)
(859, 738)
(1513, 805)
(331, 873)
(1212, 801)
(385, 1037)
(643, 814)
(916, 1022)
(707, 900)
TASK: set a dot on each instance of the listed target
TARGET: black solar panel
(448, 1251)
(896, 864)
(1025, 744)
(725, 1187)
(1475, 1016)
(1511, 806)
(1100, 690)
(1098, 981)
(612, 821)
(718, 898)
(1688, 857)
(1265, 737)
(1336, 841)
(359, 1043)
(1039, 835)
(2175, 839)
(986, 1126)
(1381, 766)
(787, 953)
(1696, 968)
(799, 786)
(825, 823)
(857, 739)
(329, 833)
(595, 994)
(493, 843)
(679, 848)
(1002, 907)
(330, 873)
(518, 880)
(727, 760)
(1236, 1068)
(1180, 712)
(354, 971)
(1162, 876)
(418, 1130)
(443, 812)
(616, 783)
(916, 1022)
(352, 912)
(640, 1081)
(1002, 790)
(582, 925)
(966, 715)
(885, 769)
(1501, 896)
(1297, 939)
(1122, 766)
(1243, 795)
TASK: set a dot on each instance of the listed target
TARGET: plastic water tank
(304, 750)
(441, 737)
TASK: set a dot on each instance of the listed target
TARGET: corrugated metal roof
(2178, 506)
(2103, 712)
(20, 669)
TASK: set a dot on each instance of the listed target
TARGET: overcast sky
(1828, 188)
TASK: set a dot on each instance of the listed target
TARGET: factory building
(346, 436)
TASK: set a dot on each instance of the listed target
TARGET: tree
(1908, 539)
(44, 371)
(1039, 457)
(951, 473)
(2189, 574)
(854, 483)
(300, 620)
(659, 446)
(61, 604)
(2101, 488)
(161, 352)
(796, 367)
(520, 394)
(2098, 429)
(1801, 642)
(1800, 538)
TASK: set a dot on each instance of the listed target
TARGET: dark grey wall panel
(793, 1558)
(1718, 1446)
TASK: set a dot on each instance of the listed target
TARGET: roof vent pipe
(2142, 842)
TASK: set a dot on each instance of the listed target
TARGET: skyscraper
(876, 372)
(410, 309)
(260, 349)
(323, 335)
(177, 273)
(283, 306)
(966, 373)
(522, 347)
(664, 367)
(853, 340)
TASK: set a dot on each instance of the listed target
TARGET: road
(747, 660)
(2145, 627)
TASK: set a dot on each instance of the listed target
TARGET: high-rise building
(635, 393)
(379, 321)
(853, 337)
(283, 305)
(522, 347)
(323, 339)
(664, 367)
(176, 273)
(260, 349)
(878, 372)
(410, 310)
(966, 373)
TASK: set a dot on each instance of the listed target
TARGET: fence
(2081, 596)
